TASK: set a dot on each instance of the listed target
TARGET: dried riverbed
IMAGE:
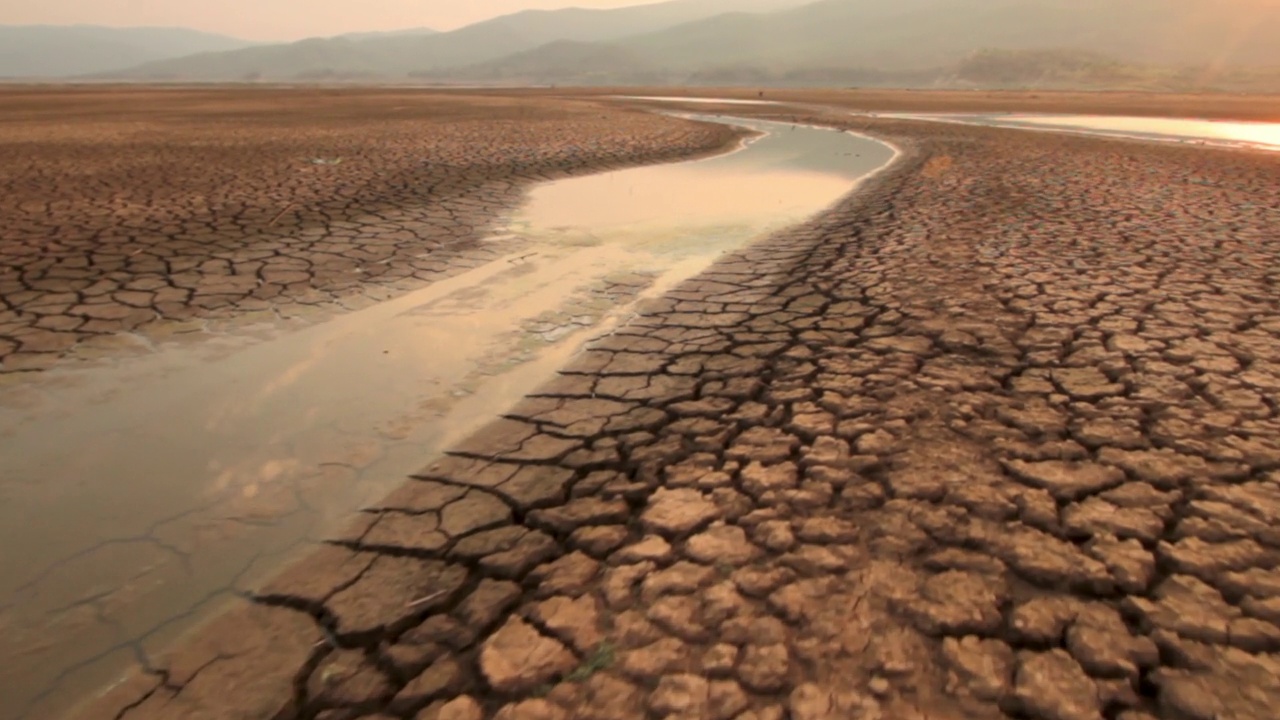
(983, 441)
(201, 466)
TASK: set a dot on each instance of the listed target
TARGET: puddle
(715, 101)
(140, 492)
(1214, 133)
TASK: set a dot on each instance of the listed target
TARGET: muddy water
(1220, 133)
(135, 496)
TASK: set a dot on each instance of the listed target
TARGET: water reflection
(1253, 134)
(1257, 135)
(140, 492)
(778, 178)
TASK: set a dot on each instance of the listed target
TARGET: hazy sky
(278, 19)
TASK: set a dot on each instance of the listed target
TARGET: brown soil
(984, 441)
(126, 209)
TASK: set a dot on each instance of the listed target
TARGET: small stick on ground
(329, 638)
(280, 214)
(425, 599)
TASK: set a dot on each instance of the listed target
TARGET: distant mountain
(31, 51)
(1031, 67)
(313, 58)
(580, 62)
(402, 56)
(915, 34)
(788, 42)
(418, 31)
(918, 42)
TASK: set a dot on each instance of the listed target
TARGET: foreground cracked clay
(135, 556)
(229, 465)
(981, 442)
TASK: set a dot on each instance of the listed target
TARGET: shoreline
(254, 271)
(159, 636)
(1221, 105)
(979, 439)
(238, 614)
(237, 330)
(1224, 106)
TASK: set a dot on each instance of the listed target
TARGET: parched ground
(995, 438)
(1221, 106)
(156, 211)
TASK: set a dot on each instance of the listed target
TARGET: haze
(1149, 45)
(279, 19)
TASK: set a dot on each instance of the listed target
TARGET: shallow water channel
(136, 495)
(1212, 133)
(1217, 133)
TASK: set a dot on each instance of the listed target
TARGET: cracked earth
(113, 242)
(993, 438)
(421, 182)
(980, 442)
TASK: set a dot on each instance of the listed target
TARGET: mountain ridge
(403, 56)
(69, 50)
(915, 42)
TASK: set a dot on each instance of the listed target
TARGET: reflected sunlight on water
(683, 195)
(1252, 133)
(1220, 133)
(138, 491)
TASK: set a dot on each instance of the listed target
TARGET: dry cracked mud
(136, 216)
(996, 437)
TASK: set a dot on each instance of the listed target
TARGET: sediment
(163, 213)
(995, 437)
